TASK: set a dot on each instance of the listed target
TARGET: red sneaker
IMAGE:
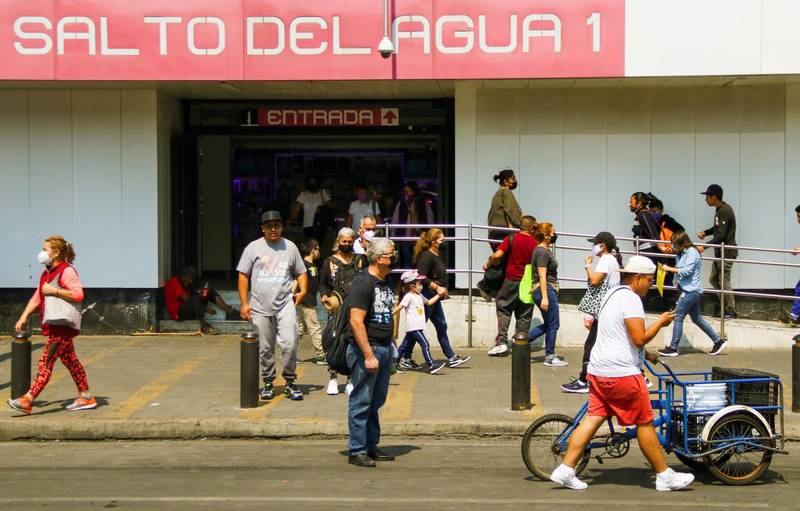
(82, 403)
(21, 404)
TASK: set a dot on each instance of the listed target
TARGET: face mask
(44, 258)
(363, 196)
(553, 238)
(346, 249)
(393, 260)
(369, 235)
(442, 243)
(596, 249)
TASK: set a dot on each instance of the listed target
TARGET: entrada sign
(328, 117)
(275, 40)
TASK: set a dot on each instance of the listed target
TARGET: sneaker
(210, 330)
(292, 392)
(348, 389)
(718, 347)
(20, 404)
(457, 360)
(668, 352)
(670, 480)
(436, 367)
(791, 321)
(82, 403)
(407, 364)
(321, 360)
(268, 392)
(555, 361)
(731, 314)
(565, 476)
(576, 386)
(498, 349)
(333, 387)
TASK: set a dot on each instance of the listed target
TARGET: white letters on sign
(220, 36)
(19, 31)
(162, 22)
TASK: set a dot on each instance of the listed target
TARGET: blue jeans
(416, 337)
(550, 320)
(367, 397)
(435, 314)
(689, 304)
(796, 306)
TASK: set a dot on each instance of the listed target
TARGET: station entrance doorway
(249, 159)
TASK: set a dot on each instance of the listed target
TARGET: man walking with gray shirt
(269, 266)
(723, 231)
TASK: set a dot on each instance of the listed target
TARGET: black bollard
(248, 391)
(20, 364)
(796, 374)
(521, 373)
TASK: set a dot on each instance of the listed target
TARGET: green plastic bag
(526, 285)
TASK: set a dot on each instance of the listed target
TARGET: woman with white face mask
(606, 253)
(60, 280)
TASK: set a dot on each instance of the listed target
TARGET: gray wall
(82, 164)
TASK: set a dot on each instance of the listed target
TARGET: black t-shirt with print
(374, 295)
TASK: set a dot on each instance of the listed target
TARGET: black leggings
(587, 348)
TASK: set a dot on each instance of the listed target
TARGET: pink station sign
(309, 40)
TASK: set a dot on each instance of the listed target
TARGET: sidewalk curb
(194, 429)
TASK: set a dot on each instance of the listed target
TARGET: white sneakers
(333, 387)
(498, 350)
(668, 480)
(348, 388)
(565, 476)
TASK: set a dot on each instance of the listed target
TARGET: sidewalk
(187, 387)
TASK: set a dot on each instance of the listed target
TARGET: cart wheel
(540, 445)
(740, 464)
(693, 463)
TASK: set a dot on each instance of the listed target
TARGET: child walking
(414, 304)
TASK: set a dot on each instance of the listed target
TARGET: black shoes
(718, 347)
(379, 455)
(361, 460)
(668, 352)
(268, 392)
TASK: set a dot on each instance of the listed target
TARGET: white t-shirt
(614, 355)
(609, 265)
(414, 304)
(360, 209)
(310, 202)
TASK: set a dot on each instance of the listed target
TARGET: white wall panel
(466, 191)
(781, 36)
(139, 258)
(17, 268)
(51, 165)
(792, 180)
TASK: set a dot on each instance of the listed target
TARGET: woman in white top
(308, 203)
(606, 253)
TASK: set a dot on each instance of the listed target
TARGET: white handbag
(60, 312)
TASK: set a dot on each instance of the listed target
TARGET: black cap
(270, 216)
(715, 190)
(604, 237)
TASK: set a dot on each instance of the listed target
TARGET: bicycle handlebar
(668, 368)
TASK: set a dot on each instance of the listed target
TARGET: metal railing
(470, 238)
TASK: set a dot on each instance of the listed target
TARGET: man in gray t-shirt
(269, 266)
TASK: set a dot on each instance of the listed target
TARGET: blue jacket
(688, 265)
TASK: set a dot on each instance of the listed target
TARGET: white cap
(411, 276)
(639, 264)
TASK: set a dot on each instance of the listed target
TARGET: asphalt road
(428, 474)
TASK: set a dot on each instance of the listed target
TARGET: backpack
(345, 273)
(336, 338)
(669, 226)
(526, 285)
(495, 274)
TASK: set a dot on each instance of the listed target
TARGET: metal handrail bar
(426, 226)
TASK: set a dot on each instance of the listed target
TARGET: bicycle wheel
(739, 464)
(541, 450)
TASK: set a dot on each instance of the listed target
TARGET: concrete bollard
(20, 364)
(248, 391)
(521, 373)
(796, 374)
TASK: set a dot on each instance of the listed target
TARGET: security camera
(386, 48)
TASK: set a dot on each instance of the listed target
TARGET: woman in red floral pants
(56, 255)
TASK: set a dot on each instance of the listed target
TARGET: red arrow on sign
(390, 117)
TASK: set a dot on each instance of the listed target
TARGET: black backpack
(345, 273)
(336, 337)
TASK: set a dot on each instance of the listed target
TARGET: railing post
(636, 245)
(521, 373)
(722, 290)
(248, 384)
(20, 364)
(469, 286)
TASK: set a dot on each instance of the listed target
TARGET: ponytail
(65, 250)
(542, 230)
(647, 199)
(503, 175)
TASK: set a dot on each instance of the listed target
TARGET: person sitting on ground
(185, 304)
(616, 386)
(414, 304)
(519, 250)
(307, 321)
(364, 205)
(366, 232)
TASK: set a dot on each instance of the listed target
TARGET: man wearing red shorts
(616, 385)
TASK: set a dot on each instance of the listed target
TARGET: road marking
(697, 504)
(97, 357)
(267, 407)
(155, 388)
(398, 403)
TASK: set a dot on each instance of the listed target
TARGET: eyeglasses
(275, 227)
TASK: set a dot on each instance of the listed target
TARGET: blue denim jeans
(689, 304)
(796, 306)
(435, 315)
(550, 320)
(367, 397)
